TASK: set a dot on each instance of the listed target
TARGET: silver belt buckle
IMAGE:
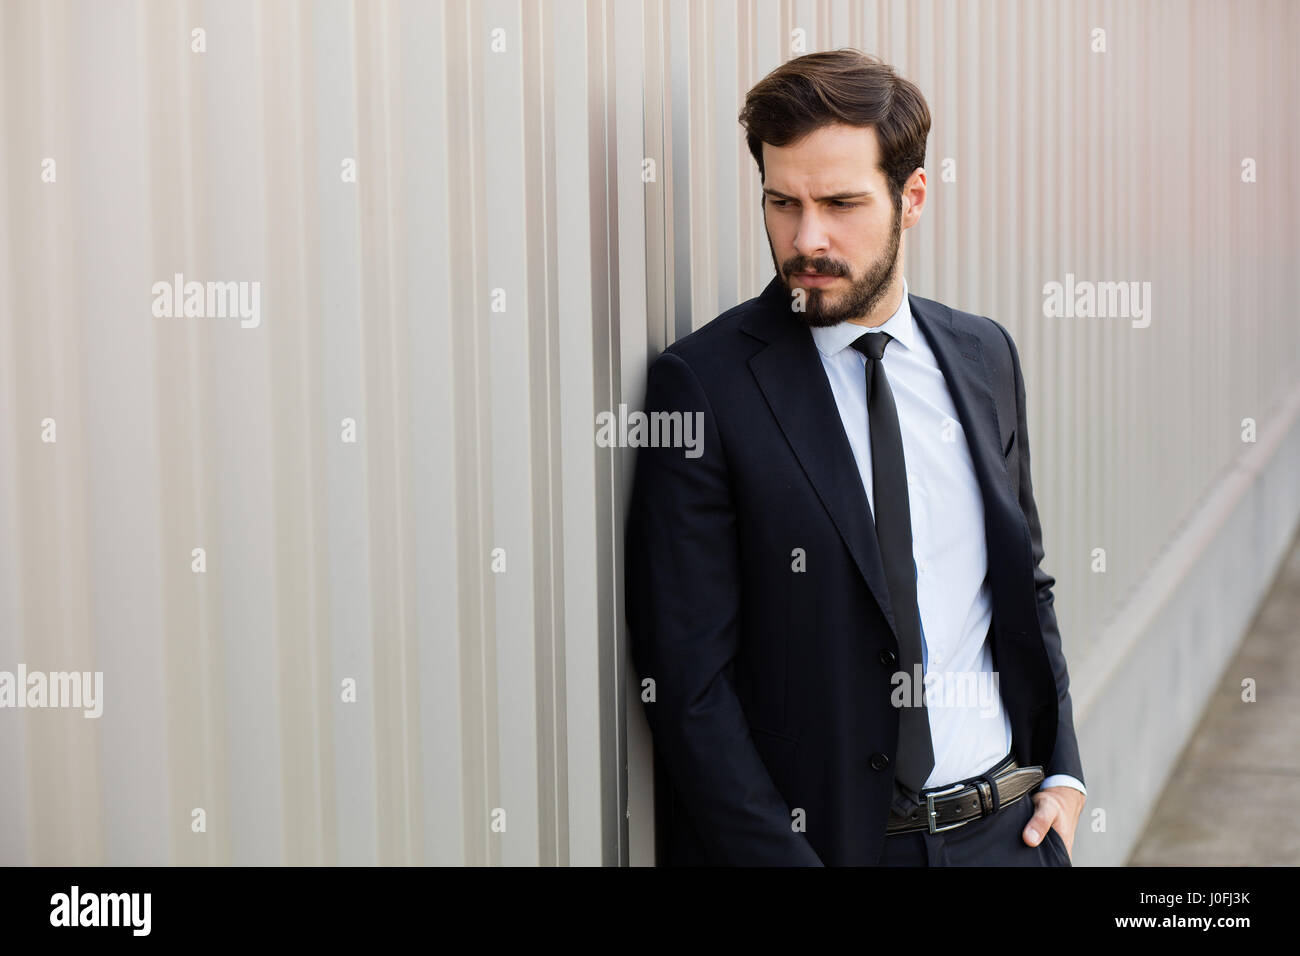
(929, 806)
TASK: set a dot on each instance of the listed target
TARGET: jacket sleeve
(1065, 757)
(683, 594)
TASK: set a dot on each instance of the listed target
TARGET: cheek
(781, 234)
(873, 226)
(870, 238)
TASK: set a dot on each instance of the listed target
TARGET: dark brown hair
(840, 86)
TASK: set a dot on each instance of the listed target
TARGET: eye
(837, 203)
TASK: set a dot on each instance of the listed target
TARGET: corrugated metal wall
(457, 252)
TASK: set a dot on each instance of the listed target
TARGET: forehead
(836, 157)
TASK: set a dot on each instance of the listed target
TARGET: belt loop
(905, 801)
(992, 778)
(903, 805)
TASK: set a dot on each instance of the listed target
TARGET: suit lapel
(790, 374)
(960, 356)
(791, 377)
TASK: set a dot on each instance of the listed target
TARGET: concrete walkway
(1235, 798)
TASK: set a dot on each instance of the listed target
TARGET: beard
(826, 307)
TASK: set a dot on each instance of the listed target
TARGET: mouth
(814, 278)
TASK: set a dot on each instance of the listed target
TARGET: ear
(914, 193)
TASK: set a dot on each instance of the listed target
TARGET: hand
(1055, 807)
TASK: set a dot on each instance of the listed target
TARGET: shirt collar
(832, 339)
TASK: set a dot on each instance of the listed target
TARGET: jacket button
(888, 657)
(879, 761)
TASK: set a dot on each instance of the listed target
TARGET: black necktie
(893, 518)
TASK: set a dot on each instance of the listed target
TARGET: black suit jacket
(771, 687)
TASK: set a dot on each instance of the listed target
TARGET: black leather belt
(944, 808)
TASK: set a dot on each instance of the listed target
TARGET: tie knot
(872, 344)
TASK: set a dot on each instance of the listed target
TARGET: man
(855, 528)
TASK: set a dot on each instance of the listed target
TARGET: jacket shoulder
(995, 340)
(720, 345)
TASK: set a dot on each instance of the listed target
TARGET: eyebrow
(781, 195)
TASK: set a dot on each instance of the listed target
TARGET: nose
(811, 240)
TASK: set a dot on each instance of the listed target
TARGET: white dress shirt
(969, 726)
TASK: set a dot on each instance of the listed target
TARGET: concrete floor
(1235, 799)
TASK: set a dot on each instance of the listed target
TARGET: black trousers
(989, 841)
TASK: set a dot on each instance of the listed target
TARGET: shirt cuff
(1063, 780)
